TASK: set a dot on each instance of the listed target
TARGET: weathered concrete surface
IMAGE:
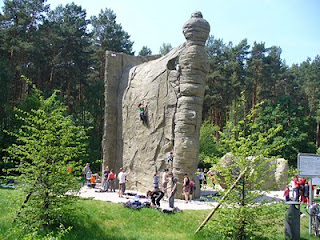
(173, 87)
(117, 70)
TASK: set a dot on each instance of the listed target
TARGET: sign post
(309, 166)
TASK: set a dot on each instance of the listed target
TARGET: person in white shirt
(122, 181)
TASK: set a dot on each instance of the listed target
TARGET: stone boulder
(275, 175)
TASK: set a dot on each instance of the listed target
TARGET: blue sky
(291, 24)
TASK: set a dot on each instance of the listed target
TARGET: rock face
(275, 175)
(172, 87)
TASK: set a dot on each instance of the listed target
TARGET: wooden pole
(222, 200)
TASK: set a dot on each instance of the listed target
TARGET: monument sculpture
(172, 88)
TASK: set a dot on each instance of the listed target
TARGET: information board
(316, 181)
(309, 164)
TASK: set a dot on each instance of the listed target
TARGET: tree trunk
(216, 121)
(318, 134)
(68, 97)
(254, 97)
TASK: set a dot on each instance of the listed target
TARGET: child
(286, 194)
(93, 180)
(155, 183)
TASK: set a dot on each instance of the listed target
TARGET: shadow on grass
(89, 222)
(6, 188)
(88, 228)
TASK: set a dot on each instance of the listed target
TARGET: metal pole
(310, 203)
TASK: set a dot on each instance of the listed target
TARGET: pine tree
(145, 51)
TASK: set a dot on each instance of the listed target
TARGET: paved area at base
(203, 203)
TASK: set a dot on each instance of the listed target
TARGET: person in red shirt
(111, 180)
(303, 181)
(296, 188)
(286, 193)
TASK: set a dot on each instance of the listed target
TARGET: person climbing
(170, 159)
(143, 113)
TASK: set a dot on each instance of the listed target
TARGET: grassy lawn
(103, 220)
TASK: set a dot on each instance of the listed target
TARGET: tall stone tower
(194, 67)
(172, 87)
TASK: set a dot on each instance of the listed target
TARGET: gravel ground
(196, 204)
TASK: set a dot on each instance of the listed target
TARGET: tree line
(62, 49)
(243, 77)
(59, 49)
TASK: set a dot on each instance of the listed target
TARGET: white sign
(316, 181)
(309, 164)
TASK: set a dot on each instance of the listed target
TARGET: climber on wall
(143, 113)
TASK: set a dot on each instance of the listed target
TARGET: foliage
(259, 74)
(296, 133)
(108, 34)
(63, 49)
(269, 222)
(225, 80)
(249, 148)
(48, 151)
(58, 49)
(209, 149)
(165, 48)
(145, 51)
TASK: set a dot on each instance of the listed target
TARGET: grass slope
(103, 220)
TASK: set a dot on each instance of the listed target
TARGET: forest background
(62, 49)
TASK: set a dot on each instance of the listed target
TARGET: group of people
(164, 187)
(109, 179)
(89, 177)
(300, 190)
(205, 175)
(169, 188)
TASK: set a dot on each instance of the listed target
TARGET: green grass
(104, 220)
(6, 212)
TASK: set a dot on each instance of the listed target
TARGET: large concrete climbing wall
(172, 87)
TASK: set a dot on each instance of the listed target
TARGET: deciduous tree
(49, 150)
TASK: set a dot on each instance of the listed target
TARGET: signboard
(309, 165)
(316, 181)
